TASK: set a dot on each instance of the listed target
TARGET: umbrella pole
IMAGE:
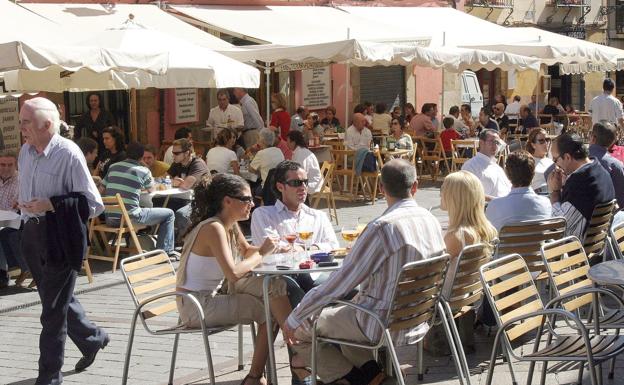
(134, 121)
(267, 73)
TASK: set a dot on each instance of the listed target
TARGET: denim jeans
(10, 251)
(164, 218)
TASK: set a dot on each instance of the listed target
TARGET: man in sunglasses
(484, 166)
(586, 184)
(282, 219)
(603, 136)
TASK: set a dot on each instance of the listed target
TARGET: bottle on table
(167, 182)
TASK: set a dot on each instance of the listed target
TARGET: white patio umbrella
(188, 65)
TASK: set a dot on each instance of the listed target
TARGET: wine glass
(305, 231)
(287, 232)
(350, 234)
(362, 223)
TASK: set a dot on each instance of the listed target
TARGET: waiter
(52, 167)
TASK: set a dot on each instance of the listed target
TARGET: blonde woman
(280, 118)
(463, 198)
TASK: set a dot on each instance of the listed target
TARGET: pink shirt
(420, 124)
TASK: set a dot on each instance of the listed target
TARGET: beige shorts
(244, 306)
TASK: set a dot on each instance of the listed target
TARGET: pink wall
(428, 86)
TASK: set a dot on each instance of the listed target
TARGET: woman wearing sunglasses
(216, 266)
(538, 145)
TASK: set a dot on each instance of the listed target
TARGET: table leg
(269, 326)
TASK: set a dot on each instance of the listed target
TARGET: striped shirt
(59, 170)
(8, 193)
(373, 264)
(127, 178)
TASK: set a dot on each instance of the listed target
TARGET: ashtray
(322, 257)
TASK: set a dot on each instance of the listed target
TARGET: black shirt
(93, 129)
(107, 159)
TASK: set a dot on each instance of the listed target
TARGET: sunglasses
(177, 152)
(242, 198)
(296, 182)
(542, 141)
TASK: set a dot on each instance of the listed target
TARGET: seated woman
(114, 150)
(537, 145)
(403, 140)
(306, 159)
(221, 158)
(463, 198)
(330, 122)
(216, 263)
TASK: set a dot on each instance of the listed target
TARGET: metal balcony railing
(490, 3)
(569, 3)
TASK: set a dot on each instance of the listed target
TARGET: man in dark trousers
(55, 187)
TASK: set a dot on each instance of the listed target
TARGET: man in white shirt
(268, 157)
(513, 108)
(484, 166)
(298, 119)
(606, 106)
(458, 124)
(522, 203)
(225, 115)
(357, 135)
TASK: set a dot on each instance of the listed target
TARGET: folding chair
(151, 280)
(415, 301)
(345, 168)
(616, 237)
(326, 192)
(432, 154)
(371, 179)
(596, 235)
(466, 291)
(459, 150)
(525, 238)
(519, 310)
(113, 204)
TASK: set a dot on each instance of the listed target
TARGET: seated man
(10, 251)
(357, 135)
(484, 166)
(522, 203)
(267, 157)
(485, 121)
(603, 136)
(528, 121)
(587, 184)
(372, 264)
(129, 178)
(157, 168)
(501, 119)
(181, 133)
(185, 171)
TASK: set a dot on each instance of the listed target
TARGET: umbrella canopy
(367, 53)
(189, 65)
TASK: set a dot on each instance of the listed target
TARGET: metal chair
(595, 240)
(525, 238)
(466, 291)
(519, 310)
(151, 280)
(567, 267)
(415, 302)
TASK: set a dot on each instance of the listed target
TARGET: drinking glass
(350, 234)
(288, 233)
(305, 231)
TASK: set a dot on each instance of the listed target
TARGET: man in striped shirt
(129, 178)
(373, 263)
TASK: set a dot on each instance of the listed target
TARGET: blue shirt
(614, 167)
(522, 204)
(59, 170)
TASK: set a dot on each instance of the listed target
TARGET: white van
(471, 92)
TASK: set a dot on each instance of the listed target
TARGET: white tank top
(202, 273)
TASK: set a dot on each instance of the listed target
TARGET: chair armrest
(583, 291)
(176, 294)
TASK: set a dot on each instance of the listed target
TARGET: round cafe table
(607, 273)
(269, 269)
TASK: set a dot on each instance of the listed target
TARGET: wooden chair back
(431, 154)
(467, 289)
(326, 191)
(115, 204)
(617, 239)
(511, 291)
(327, 175)
(526, 238)
(568, 266)
(344, 161)
(417, 291)
(148, 275)
(595, 240)
(459, 152)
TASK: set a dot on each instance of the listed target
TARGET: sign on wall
(316, 87)
(186, 105)
(9, 123)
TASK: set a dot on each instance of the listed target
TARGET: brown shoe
(24, 275)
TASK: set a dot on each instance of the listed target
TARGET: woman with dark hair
(402, 139)
(216, 266)
(114, 150)
(221, 158)
(307, 160)
(92, 123)
(381, 119)
(330, 121)
(409, 111)
(538, 145)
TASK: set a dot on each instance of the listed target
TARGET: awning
(40, 30)
(365, 53)
(459, 29)
(86, 19)
(294, 25)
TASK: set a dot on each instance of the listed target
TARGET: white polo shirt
(491, 175)
(606, 107)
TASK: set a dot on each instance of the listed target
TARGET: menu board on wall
(9, 123)
(186, 104)
(316, 87)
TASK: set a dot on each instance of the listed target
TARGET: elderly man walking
(56, 195)
(372, 264)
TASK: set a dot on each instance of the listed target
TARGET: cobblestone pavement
(109, 305)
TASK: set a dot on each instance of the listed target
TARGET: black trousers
(61, 315)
